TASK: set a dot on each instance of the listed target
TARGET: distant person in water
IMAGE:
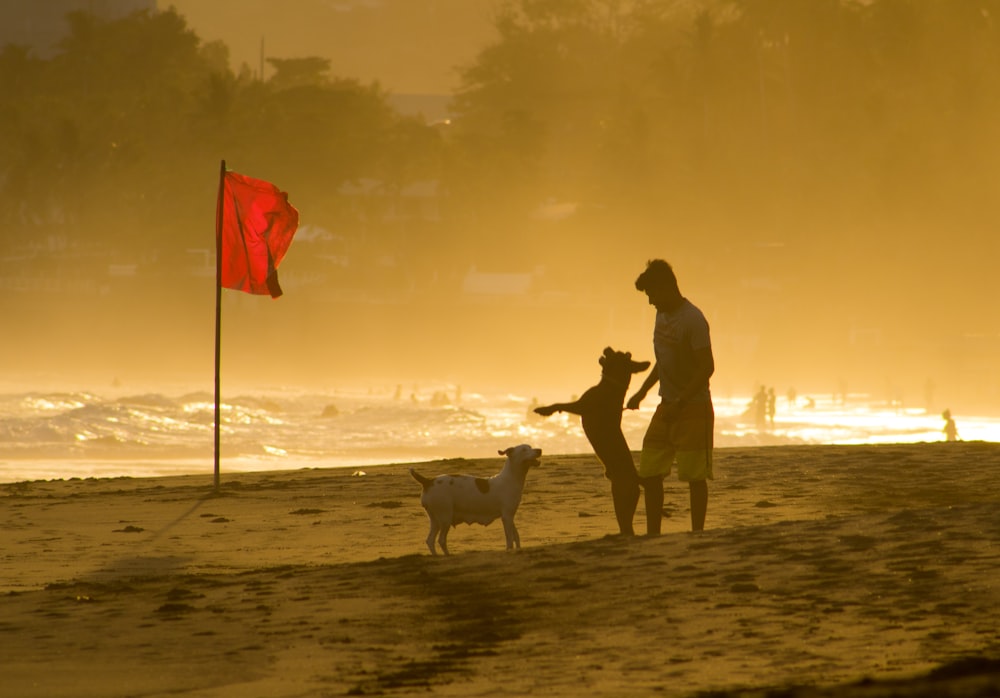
(758, 408)
(950, 430)
(792, 397)
(681, 428)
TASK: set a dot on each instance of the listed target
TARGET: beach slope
(825, 571)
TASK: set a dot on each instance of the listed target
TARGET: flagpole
(218, 314)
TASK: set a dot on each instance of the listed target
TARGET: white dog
(454, 499)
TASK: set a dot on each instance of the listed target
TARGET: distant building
(414, 201)
(435, 109)
(41, 24)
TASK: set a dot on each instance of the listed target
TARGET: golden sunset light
(703, 291)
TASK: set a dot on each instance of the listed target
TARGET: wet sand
(826, 571)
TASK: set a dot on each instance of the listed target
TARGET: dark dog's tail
(425, 482)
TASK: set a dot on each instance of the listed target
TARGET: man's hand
(635, 400)
(651, 379)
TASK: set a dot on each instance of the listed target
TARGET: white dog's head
(523, 456)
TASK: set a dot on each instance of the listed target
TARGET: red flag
(255, 229)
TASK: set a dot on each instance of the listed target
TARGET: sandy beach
(826, 571)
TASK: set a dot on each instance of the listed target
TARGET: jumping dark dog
(600, 408)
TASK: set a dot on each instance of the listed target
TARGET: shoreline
(41, 468)
(831, 568)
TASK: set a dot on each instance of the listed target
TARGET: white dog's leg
(510, 531)
(432, 535)
(443, 538)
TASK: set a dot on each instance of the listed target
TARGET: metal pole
(218, 314)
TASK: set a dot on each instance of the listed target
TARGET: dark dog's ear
(639, 366)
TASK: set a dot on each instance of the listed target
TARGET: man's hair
(658, 274)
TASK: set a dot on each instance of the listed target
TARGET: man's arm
(704, 367)
(640, 395)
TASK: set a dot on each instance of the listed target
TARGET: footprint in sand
(741, 583)
(129, 529)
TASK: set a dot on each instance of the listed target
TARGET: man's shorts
(685, 438)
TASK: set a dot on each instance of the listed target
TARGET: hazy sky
(875, 276)
(408, 46)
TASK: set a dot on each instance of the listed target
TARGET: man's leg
(653, 491)
(694, 460)
(699, 503)
(655, 462)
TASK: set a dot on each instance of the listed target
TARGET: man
(681, 429)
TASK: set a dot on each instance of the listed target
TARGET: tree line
(695, 124)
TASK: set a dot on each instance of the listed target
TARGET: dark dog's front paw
(545, 411)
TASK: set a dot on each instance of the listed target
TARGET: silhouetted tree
(299, 72)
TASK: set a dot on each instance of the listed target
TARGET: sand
(839, 571)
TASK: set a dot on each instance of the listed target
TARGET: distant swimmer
(760, 407)
(531, 410)
(950, 430)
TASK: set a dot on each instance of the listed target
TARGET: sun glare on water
(829, 421)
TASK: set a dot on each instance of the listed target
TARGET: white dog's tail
(425, 482)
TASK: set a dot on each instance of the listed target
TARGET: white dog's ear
(504, 452)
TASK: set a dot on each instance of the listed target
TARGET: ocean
(62, 435)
